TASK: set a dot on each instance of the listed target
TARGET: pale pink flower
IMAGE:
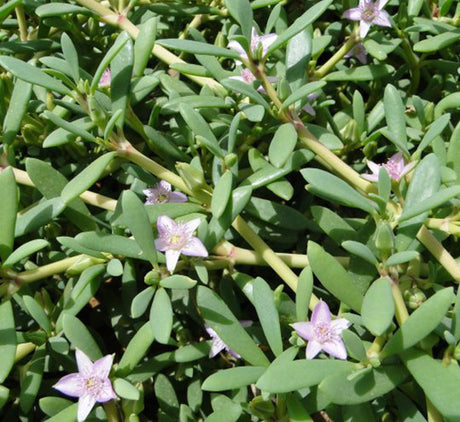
(106, 78)
(256, 40)
(218, 345)
(248, 78)
(161, 193)
(368, 13)
(358, 51)
(394, 166)
(90, 384)
(323, 333)
(175, 238)
(308, 107)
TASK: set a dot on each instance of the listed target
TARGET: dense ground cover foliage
(229, 210)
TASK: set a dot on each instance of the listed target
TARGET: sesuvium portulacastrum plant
(173, 170)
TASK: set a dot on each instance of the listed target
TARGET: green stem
(248, 257)
(111, 411)
(401, 312)
(338, 166)
(164, 55)
(89, 197)
(341, 52)
(413, 61)
(46, 270)
(432, 413)
(439, 252)
(22, 22)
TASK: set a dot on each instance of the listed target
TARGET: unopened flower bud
(230, 160)
(384, 238)
(350, 131)
(152, 278)
(414, 297)
(370, 149)
(193, 178)
(263, 409)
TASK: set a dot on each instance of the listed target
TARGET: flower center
(392, 169)
(323, 332)
(162, 197)
(94, 386)
(369, 13)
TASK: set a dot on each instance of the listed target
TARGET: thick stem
(91, 198)
(22, 22)
(432, 413)
(326, 67)
(338, 166)
(401, 310)
(248, 257)
(132, 154)
(46, 270)
(111, 411)
(439, 252)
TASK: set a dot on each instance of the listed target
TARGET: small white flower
(90, 384)
(368, 13)
(175, 238)
(106, 79)
(218, 345)
(265, 40)
(394, 166)
(323, 333)
(358, 51)
(162, 193)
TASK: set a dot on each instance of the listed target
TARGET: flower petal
(370, 177)
(71, 385)
(267, 41)
(335, 348)
(381, 4)
(313, 348)
(164, 185)
(194, 247)
(364, 28)
(353, 14)
(172, 256)
(304, 330)
(238, 78)
(235, 45)
(85, 405)
(102, 366)
(161, 244)
(165, 224)
(321, 313)
(382, 19)
(340, 324)
(85, 366)
(106, 393)
(407, 168)
(374, 168)
(217, 346)
(192, 225)
(309, 109)
(177, 197)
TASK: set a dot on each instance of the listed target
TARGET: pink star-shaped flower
(162, 193)
(265, 40)
(90, 384)
(323, 333)
(394, 166)
(368, 13)
(175, 238)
